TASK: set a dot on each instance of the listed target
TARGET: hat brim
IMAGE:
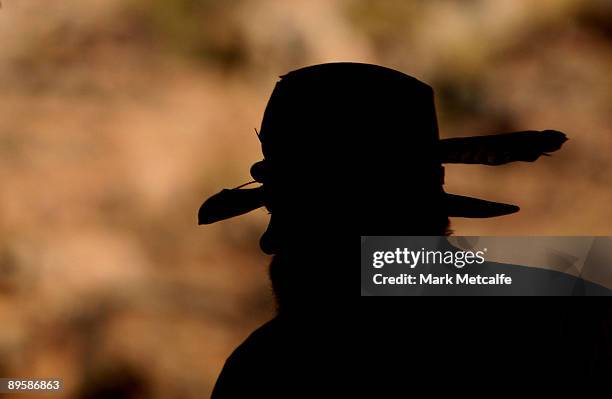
(229, 203)
(469, 207)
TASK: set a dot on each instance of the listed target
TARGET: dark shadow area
(355, 147)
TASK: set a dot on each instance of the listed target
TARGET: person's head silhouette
(359, 141)
(354, 148)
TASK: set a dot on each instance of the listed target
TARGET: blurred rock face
(117, 118)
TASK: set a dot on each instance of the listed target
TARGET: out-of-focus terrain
(118, 118)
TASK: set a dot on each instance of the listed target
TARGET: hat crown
(352, 105)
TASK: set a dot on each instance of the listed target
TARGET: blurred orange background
(118, 118)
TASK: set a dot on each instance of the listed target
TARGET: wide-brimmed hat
(399, 110)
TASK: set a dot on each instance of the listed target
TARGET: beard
(284, 278)
(297, 279)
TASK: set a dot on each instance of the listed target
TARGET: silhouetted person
(347, 148)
